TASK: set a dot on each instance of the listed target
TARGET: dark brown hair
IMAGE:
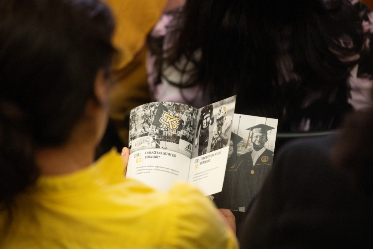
(50, 53)
(239, 43)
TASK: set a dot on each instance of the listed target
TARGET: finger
(125, 155)
(229, 219)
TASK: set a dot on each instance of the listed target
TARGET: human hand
(228, 218)
(125, 155)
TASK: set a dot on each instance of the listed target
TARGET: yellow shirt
(98, 208)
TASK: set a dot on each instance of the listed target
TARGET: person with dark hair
(55, 58)
(319, 193)
(306, 63)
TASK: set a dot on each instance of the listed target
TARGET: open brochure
(206, 147)
(172, 142)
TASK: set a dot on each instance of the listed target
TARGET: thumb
(229, 219)
(125, 157)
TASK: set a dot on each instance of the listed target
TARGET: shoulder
(268, 152)
(303, 181)
(195, 221)
(247, 154)
(320, 145)
(180, 218)
(305, 157)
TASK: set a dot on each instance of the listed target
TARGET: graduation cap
(259, 128)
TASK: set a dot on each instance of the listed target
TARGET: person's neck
(257, 148)
(64, 160)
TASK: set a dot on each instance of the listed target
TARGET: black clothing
(242, 180)
(203, 140)
(307, 203)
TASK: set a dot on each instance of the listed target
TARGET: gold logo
(169, 120)
(264, 159)
(252, 172)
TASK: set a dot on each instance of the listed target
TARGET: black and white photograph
(250, 159)
(214, 126)
(163, 125)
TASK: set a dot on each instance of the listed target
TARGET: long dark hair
(50, 53)
(242, 42)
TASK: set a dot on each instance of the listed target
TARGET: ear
(101, 87)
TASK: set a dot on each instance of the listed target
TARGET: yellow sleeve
(134, 20)
(194, 222)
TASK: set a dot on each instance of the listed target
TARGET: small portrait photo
(213, 126)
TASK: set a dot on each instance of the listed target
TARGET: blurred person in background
(134, 21)
(306, 63)
(319, 193)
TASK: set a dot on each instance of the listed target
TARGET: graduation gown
(243, 180)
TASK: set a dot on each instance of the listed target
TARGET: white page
(158, 168)
(207, 171)
(161, 136)
(211, 145)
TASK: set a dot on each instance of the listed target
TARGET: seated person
(319, 193)
(55, 58)
(306, 63)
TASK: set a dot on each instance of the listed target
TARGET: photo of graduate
(249, 161)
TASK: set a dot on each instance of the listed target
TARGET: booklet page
(161, 137)
(211, 145)
(158, 168)
(250, 159)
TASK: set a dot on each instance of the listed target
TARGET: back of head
(247, 45)
(50, 53)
